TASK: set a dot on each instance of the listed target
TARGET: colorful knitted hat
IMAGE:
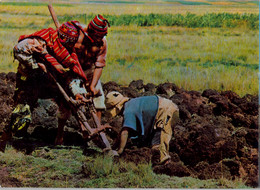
(99, 25)
(68, 32)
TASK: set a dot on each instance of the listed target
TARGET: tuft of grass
(99, 167)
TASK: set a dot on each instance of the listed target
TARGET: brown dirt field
(216, 136)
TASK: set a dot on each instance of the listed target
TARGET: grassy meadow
(195, 44)
(67, 167)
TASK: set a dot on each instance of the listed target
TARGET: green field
(194, 44)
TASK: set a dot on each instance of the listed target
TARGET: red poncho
(59, 54)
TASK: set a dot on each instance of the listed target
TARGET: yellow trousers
(167, 113)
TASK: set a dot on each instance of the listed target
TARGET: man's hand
(61, 69)
(120, 151)
(94, 91)
(80, 98)
(66, 70)
(42, 66)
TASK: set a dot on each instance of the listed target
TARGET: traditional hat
(115, 102)
(99, 24)
(68, 32)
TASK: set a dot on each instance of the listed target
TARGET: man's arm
(100, 63)
(123, 140)
(54, 63)
(96, 76)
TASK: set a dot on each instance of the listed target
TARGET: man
(91, 49)
(147, 119)
(47, 48)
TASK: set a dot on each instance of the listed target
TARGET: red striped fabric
(58, 53)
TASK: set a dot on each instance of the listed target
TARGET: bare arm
(100, 63)
(96, 76)
(123, 140)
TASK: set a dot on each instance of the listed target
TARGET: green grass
(212, 20)
(34, 4)
(121, 1)
(194, 51)
(68, 168)
(195, 59)
(193, 3)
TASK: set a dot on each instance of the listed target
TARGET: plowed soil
(216, 136)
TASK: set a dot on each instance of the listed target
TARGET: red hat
(68, 32)
(99, 24)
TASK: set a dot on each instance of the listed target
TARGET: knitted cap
(99, 24)
(68, 32)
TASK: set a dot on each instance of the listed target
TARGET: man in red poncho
(47, 48)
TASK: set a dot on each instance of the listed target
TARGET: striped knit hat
(99, 24)
(68, 32)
